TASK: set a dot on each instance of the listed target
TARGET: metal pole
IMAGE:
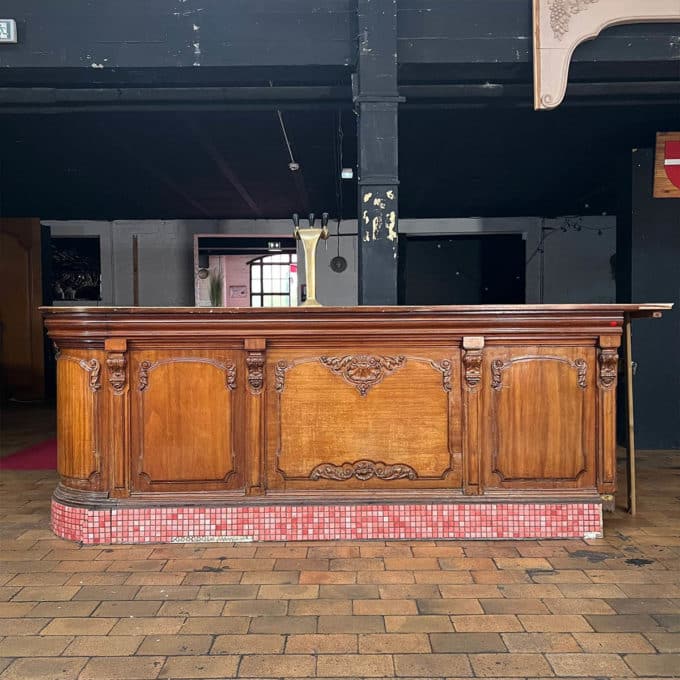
(630, 451)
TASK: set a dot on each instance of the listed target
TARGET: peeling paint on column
(379, 218)
(391, 223)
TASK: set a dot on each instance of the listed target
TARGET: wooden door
(22, 339)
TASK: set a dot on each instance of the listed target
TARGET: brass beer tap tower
(310, 238)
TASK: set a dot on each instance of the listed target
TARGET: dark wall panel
(655, 278)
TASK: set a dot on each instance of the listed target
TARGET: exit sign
(8, 31)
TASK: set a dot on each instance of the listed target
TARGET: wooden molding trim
(560, 26)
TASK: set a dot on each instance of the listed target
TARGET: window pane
(256, 301)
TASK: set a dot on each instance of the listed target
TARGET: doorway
(462, 270)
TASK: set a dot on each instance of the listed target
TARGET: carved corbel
(116, 362)
(473, 352)
(608, 360)
(560, 26)
(255, 358)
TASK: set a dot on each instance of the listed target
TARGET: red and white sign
(667, 165)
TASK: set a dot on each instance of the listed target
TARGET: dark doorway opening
(462, 270)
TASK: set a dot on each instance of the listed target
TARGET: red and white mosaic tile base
(328, 522)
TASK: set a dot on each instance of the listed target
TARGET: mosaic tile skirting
(328, 522)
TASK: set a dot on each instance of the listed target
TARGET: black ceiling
(165, 163)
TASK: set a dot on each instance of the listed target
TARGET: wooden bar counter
(178, 424)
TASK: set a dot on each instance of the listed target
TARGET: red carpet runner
(41, 456)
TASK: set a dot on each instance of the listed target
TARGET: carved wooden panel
(78, 418)
(185, 412)
(365, 418)
(531, 440)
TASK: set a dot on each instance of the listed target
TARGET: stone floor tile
(394, 643)
(494, 665)
(540, 642)
(78, 626)
(423, 623)
(467, 563)
(321, 607)
(437, 551)
(568, 605)
(165, 592)
(122, 668)
(160, 625)
(341, 643)
(470, 590)
(288, 592)
(42, 668)
(358, 564)
(579, 665)
(378, 607)
(498, 576)
(624, 623)
(432, 665)
(620, 576)
(207, 578)
(248, 644)
(214, 625)
(665, 642)
(34, 645)
(349, 592)
(449, 606)
(409, 591)
(326, 577)
(514, 606)
(104, 645)
(650, 590)
(486, 623)
(154, 578)
(549, 623)
(48, 579)
(351, 624)
(42, 593)
(650, 606)
(441, 577)
(662, 665)
(278, 665)
(456, 643)
(229, 592)
(284, 624)
(175, 645)
(106, 578)
(101, 593)
(613, 643)
(270, 577)
(385, 577)
(274, 550)
(529, 590)
(411, 563)
(124, 608)
(522, 563)
(557, 576)
(286, 564)
(218, 667)
(22, 626)
(61, 609)
(588, 590)
(255, 608)
(341, 552)
(355, 665)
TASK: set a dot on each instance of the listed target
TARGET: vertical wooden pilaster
(473, 354)
(376, 96)
(116, 445)
(607, 364)
(254, 430)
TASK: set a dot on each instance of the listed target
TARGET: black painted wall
(655, 277)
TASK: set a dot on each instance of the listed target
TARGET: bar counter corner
(239, 424)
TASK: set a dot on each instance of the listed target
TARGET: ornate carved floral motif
(445, 366)
(608, 360)
(561, 12)
(363, 371)
(255, 363)
(363, 470)
(229, 369)
(117, 363)
(472, 361)
(497, 366)
(280, 374)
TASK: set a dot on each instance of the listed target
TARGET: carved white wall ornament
(560, 26)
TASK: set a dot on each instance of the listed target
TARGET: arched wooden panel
(183, 421)
(532, 440)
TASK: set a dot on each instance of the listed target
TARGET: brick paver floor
(533, 609)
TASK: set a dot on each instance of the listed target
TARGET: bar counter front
(238, 424)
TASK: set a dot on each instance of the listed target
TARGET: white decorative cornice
(560, 26)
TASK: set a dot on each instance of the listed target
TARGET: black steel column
(376, 98)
